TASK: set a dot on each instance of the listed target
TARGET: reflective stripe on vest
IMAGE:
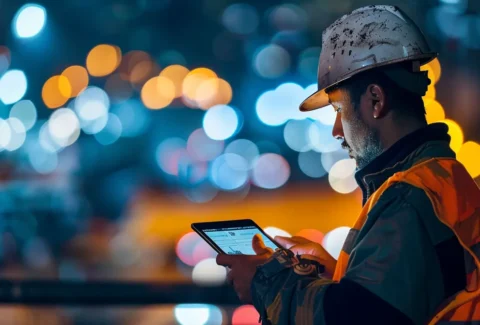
(459, 210)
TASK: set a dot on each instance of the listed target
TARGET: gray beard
(372, 150)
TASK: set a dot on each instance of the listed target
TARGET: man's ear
(376, 95)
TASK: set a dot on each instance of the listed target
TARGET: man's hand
(310, 250)
(244, 267)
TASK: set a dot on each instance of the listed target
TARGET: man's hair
(404, 103)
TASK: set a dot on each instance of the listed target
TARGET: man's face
(360, 139)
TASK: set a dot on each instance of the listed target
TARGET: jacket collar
(430, 141)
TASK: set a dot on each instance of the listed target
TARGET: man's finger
(225, 260)
(303, 249)
(285, 242)
(259, 246)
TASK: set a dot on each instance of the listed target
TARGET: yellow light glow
(213, 91)
(456, 133)
(56, 91)
(103, 59)
(193, 80)
(158, 92)
(78, 78)
(176, 73)
(469, 155)
(434, 111)
(431, 92)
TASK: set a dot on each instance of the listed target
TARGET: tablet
(233, 236)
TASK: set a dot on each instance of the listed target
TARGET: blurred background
(124, 121)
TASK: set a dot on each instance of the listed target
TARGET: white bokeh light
(270, 171)
(334, 240)
(245, 148)
(194, 314)
(92, 106)
(229, 172)
(296, 136)
(342, 176)
(29, 20)
(17, 134)
(274, 231)
(321, 139)
(330, 158)
(64, 127)
(208, 272)
(5, 134)
(13, 86)
(220, 122)
(26, 112)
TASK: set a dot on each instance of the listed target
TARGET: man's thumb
(259, 246)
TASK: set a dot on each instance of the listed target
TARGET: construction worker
(412, 257)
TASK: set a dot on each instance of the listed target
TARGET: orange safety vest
(456, 201)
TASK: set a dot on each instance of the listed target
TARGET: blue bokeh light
(13, 86)
(220, 122)
(226, 177)
(29, 20)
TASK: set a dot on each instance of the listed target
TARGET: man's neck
(392, 133)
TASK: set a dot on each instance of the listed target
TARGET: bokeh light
(311, 234)
(274, 231)
(456, 134)
(244, 315)
(245, 148)
(469, 155)
(133, 117)
(92, 106)
(56, 91)
(186, 246)
(334, 240)
(342, 176)
(213, 91)
(5, 134)
(201, 193)
(229, 172)
(288, 17)
(111, 132)
(203, 250)
(130, 61)
(78, 79)
(176, 73)
(143, 71)
(198, 314)
(17, 134)
(118, 89)
(13, 86)
(434, 70)
(330, 158)
(275, 107)
(158, 92)
(270, 171)
(5, 58)
(203, 148)
(271, 61)
(208, 272)
(103, 59)
(434, 111)
(64, 127)
(42, 161)
(29, 20)
(295, 134)
(26, 112)
(192, 82)
(431, 92)
(240, 18)
(310, 164)
(320, 138)
(168, 154)
(46, 140)
(221, 122)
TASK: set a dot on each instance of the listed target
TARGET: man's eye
(337, 109)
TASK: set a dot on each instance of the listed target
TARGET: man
(412, 255)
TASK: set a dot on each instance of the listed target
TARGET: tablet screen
(237, 240)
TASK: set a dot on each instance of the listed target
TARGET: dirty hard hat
(369, 37)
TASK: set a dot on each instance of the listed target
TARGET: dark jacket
(403, 263)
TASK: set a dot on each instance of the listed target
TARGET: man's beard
(373, 148)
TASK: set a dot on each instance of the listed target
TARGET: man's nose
(337, 131)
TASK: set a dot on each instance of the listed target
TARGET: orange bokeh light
(193, 80)
(103, 59)
(468, 155)
(56, 91)
(456, 134)
(176, 73)
(213, 91)
(158, 92)
(434, 110)
(434, 70)
(78, 78)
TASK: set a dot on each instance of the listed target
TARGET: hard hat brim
(317, 100)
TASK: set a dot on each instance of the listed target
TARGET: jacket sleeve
(391, 278)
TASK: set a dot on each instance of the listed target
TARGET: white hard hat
(369, 37)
